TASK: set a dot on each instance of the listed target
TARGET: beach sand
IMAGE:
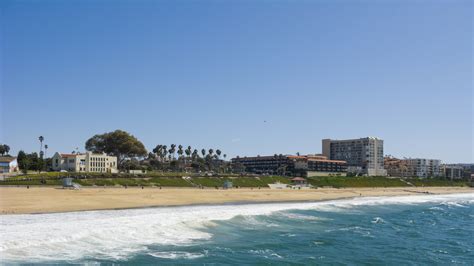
(20, 200)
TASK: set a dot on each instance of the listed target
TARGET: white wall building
(424, 167)
(85, 162)
(364, 154)
(452, 171)
(8, 165)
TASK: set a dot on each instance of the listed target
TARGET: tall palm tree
(173, 149)
(164, 151)
(180, 150)
(203, 152)
(211, 151)
(218, 152)
(45, 150)
(41, 138)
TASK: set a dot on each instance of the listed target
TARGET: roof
(7, 159)
(325, 160)
(298, 179)
(297, 157)
(67, 155)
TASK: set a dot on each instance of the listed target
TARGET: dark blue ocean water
(414, 230)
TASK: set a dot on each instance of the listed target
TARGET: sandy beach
(20, 200)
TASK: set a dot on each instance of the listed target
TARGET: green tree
(194, 155)
(6, 148)
(203, 152)
(23, 162)
(172, 150)
(2, 149)
(164, 151)
(180, 150)
(41, 139)
(118, 143)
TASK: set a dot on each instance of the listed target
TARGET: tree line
(132, 155)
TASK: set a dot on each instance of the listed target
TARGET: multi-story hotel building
(290, 164)
(84, 162)
(364, 155)
(424, 167)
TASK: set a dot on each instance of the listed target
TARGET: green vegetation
(378, 181)
(175, 179)
(4, 149)
(118, 143)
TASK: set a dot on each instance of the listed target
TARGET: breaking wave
(120, 234)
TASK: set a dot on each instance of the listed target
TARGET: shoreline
(44, 200)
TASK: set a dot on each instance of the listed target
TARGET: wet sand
(20, 200)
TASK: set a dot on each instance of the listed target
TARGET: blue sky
(209, 73)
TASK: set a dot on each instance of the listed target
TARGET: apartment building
(84, 162)
(276, 164)
(291, 164)
(364, 155)
(423, 168)
(453, 171)
(396, 167)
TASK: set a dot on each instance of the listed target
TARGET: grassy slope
(174, 180)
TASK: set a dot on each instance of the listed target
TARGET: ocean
(403, 230)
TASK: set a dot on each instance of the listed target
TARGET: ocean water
(405, 230)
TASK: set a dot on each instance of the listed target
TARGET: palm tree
(225, 155)
(211, 151)
(41, 138)
(203, 152)
(173, 149)
(164, 151)
(180, 150)
(218, 152)
(45, 150)
(158, 150)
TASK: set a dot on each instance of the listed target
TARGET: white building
(424, 167)
(85, 162)
(364, 155)
(8, 165)
(453, 171)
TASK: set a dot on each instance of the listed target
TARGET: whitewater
(119, 235)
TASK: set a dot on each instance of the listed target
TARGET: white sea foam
(119, 234)
(176, 255)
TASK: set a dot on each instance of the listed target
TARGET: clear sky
(210, 73)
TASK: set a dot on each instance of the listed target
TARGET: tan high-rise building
(85, 162)
(364, 155)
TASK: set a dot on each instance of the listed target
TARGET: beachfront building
(8, 165)
(276, 164)
(318, 165)
(453, 171)
(307, 165)
(364, 155)
(84, 162)
(396, 167)
(423, 168)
